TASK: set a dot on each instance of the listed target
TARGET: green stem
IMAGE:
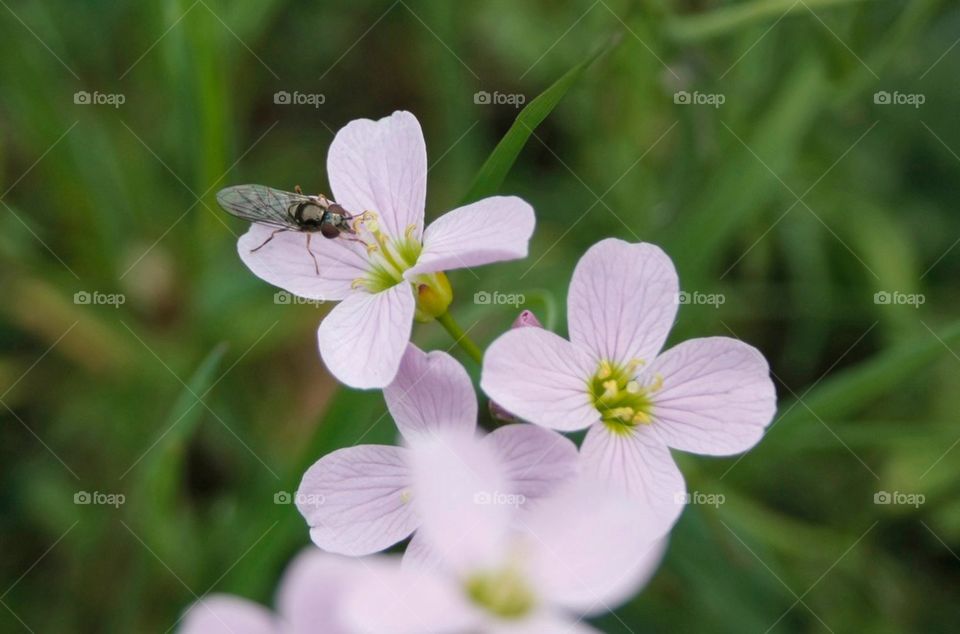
(460, 337)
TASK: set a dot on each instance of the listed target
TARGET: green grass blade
(498, 164)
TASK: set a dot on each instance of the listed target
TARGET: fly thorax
(503, 592)
(621, 398)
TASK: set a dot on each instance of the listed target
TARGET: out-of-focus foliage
(201, 399)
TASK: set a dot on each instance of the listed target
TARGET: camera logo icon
(282, 97)
(481, 297)
(81, 297)
(81, 97)
(882, 497)
(881, 97)
(82, 497)
(681, 97)
(481, 98)
(881, 297)
(282, 497)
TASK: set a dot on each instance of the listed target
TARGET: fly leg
(316, 265)
(275, 232)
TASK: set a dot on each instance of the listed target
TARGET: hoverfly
(288, 211)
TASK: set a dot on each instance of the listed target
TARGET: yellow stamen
(609, 389)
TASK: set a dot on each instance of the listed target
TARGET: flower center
(389, 257)
(619, 397)
(502, 592)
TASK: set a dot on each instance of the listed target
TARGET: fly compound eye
(328, 230)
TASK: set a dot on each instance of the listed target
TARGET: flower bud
(434, 295)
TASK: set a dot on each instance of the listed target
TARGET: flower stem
(460, 337)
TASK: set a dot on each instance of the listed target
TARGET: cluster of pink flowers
(517, 530)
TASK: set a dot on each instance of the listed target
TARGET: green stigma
(501, 592)
(618, 396)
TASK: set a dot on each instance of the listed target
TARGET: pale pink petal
(490, 230)
(637, 463)
(622, 301)
(312, 590)
(224, 614)
(463, 499)
(387, 598)
(431, 392)
(419, 555)
(536, 460)
(357, 500)
(363, 338)
(592, 548)
(717, 396)
(540, 377)
(285, 262)
(381, 166)
(541, 623)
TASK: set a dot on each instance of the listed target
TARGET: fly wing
(259, 203)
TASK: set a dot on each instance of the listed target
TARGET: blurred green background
(201, 397)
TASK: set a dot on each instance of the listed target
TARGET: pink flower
(710, 396)
(308, 601)
(381, 166)
(579, 552)
(359, 500)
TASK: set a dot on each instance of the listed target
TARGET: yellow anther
(372, 248)
(409, 231)
(633, 387)
(642, 417)
(610, 389)
(657, 383)
(633, 364)
(358, 283)
(605, 370)
(626, 414)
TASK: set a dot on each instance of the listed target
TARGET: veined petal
(225, 614)
(540, 377)
(622, 301)
(284, 261)
(311, 593)
(357, 500)
(363, 338)
(716, 398)
(390, 599)
(536, 460)
(490, 230)
(634, 461)
(381, 166)
(591, 548)
(431, 392)
(419, 554)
